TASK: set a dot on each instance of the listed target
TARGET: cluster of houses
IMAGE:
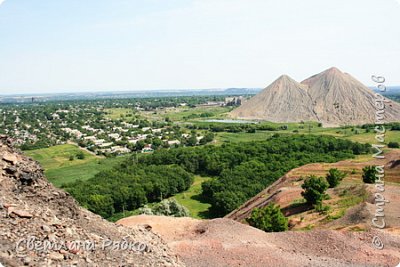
(119, 139)
(98, 134)
(22, 136)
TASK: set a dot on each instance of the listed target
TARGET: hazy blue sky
(87, 45)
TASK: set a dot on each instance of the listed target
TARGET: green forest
(239, 171)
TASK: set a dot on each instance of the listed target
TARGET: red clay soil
(224, 242)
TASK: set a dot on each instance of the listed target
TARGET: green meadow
(59, 169)
(117, 113)
(193, 200)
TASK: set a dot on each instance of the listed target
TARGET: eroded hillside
(31, 207)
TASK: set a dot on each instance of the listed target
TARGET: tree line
(239, 171)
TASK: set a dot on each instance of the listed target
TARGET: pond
(231, 121)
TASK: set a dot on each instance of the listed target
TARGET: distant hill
(331, 97)
(242, 91)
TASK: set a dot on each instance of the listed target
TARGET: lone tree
(268, 219)
(314, 189)
(369, 174)
(334, 177)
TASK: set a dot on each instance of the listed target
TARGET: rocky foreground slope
(331, 97)
(33, 209)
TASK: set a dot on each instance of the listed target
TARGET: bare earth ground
(226, 242)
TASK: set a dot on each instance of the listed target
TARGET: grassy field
(117, 113)
(59, 169)
(58, 156)
(243, 137)
(390, 136)
(186, 113)
(193, 201)
(361, 136)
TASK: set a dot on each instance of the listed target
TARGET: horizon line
(151, 90)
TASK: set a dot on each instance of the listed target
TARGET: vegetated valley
(239, 172)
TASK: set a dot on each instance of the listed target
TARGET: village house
(98, 142)
(106, 144)
(114, 135)
(156, 130)
(147, 149)
(120, 149)
(174, 142)
(90, 138)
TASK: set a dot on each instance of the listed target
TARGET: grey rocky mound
(285, 100)
(331, 97)
(33, 209)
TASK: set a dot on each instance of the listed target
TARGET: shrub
(168, 207)
(322, 209)
(334, 177)
(396, 127)
(314, 189)
(268, 219)
(369, 174)
(394, 145)
(146, 210)
(332, 217)
(80, 155)
(171, 207)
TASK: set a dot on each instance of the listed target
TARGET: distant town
(110, 127)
